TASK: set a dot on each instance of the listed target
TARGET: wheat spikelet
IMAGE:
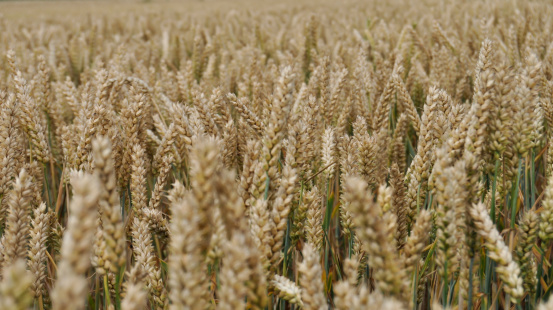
(40, 229)
(75, 250)
(405, 101)
(30, 120)
(138, 179)
(113, 237)
(205, 161)
(188, 280)
(366, 159)
(329, 152)
(383, 107)
(287, 290)
(417, 241)
(132, 115)
(15, 288)
(397, 148)
(241, 268)
(11, 151)
(133, 289)
(280, 211)
(14, 240)
(251, 119)
(272, 140)
(507, 269)
(314, 218)
(310, 271)
(146, 259)
(136, 298)
(260, 229)
(421, 166)
(373, 232)
(153, 212)
(398, 204)
(527, 237)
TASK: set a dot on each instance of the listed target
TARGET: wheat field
(292, 155)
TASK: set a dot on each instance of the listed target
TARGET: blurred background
(51, 8)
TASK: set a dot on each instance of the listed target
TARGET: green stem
(469, 301)
(532, 179)
(514, 196)
(411, 151)
(429, 199)
(415, 286)
(97, 293)
(329, 203)
(487, 282)
(286, 246)
(451, 291)
(494, 186)
(446, 285)
(350, 244)
(106, 291)
(326, 225)
(489, 263)
(334, 257)
(118, 283)
(526, 184)
(540, 272)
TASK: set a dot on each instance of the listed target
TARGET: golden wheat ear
(71, 283)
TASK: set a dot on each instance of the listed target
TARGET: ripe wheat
(310, 155)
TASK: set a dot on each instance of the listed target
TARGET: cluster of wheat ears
(363, 157)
